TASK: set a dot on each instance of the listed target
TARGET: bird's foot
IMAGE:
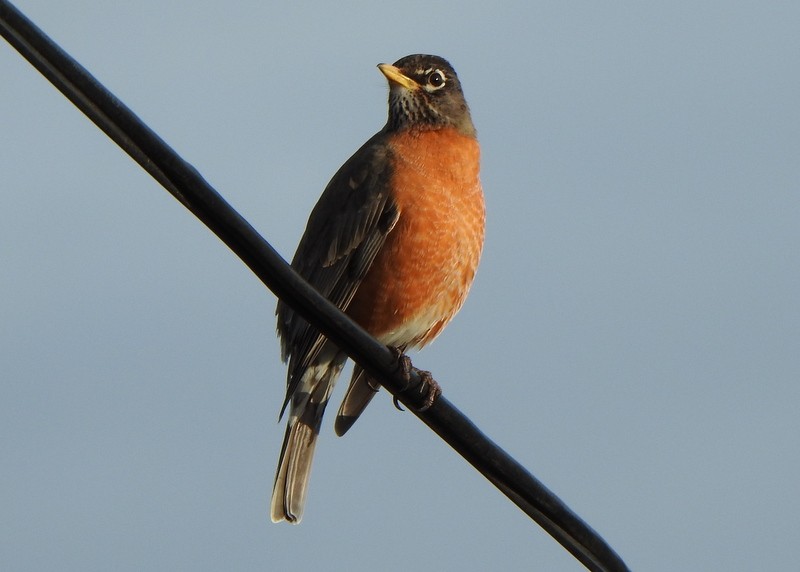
(428, 387)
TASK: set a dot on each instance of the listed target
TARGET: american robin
(394, 241)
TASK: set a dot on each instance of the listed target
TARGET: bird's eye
(436, 79)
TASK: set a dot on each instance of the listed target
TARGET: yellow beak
(394, 75)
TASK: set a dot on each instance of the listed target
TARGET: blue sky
(633, 335)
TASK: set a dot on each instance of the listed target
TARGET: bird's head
(425, 93)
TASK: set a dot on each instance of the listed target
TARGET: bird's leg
(405, 365)
(428, 386)
(405, 369)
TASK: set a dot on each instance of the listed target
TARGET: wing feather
(344, 233)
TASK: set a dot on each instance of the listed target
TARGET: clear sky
(633, 336)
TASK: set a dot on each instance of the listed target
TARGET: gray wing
(345, 231)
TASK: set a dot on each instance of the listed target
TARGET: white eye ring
(436, 80)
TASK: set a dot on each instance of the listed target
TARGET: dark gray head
(424, 93)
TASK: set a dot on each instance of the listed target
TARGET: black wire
(186, 184)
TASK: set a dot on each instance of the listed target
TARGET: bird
(394, 241)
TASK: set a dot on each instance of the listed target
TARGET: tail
(297, 453)
(294, 468)
(361, 391)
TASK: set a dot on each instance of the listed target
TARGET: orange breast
(422, 275)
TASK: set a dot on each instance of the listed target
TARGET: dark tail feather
(361, 391)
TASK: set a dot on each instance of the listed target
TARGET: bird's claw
(428, 387)
(405, 366)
